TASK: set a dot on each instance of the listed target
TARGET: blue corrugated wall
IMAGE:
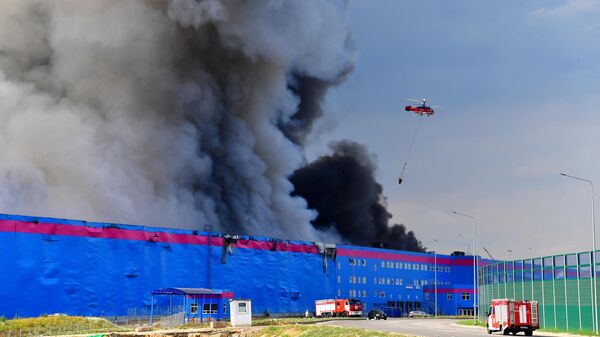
(47, 272)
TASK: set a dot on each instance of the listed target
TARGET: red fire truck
(513, 316)
(338, 307)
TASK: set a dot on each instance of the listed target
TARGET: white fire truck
(513, 316)
(338, 307)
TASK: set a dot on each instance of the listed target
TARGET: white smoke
(161, 112)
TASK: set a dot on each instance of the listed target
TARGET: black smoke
(342, 188)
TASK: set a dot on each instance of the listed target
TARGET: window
(339, 265)
(375, 266)
(374, 280)
(449, 296)
(194, 308)
(397, 265)
(382, 264)
(406, 265)
(400, 281)
(416, 282)
(224, 308)
(465, 296)
(364, 262)
(364, 293)
(339, 292)
(364, 280)
(213, 308)
(339, 279)
(387, 281)
(424, 267)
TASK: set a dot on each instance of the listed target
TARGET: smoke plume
(180, 113)
(341, 187)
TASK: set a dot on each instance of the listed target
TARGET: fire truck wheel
(505, 331)
(528, 332)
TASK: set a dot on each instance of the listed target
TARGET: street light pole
(474, 264)
(435, 278)
(593, 257)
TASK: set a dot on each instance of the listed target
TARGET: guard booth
(199, 304)
(241, 312)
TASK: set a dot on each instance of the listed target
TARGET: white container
(240, 312)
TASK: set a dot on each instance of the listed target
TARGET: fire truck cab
(513, 316)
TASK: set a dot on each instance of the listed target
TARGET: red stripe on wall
(135, 235)
(402, 257)
(449, 290)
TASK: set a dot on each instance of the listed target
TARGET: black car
(376, 314)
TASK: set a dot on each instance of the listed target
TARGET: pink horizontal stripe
(449, 290)
(403, 257)
(137, 235)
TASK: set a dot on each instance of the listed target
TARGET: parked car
(376, 314)
(418, 314)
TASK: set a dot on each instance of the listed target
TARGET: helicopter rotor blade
(414, 100)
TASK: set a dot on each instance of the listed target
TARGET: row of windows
(354, 279)
(449, 296)
(355, 262)
(398, 265)
(381, 294)
(389, 281)
(413, 266)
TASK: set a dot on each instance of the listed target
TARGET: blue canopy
(186, 291)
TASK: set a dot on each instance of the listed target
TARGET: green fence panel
(587, 315)
(572, 303)
(560, 305)
(549, 318)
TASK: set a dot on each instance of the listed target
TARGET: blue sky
(518, 82)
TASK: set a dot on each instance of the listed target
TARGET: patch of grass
(57, 325)
(471, 323)
(318, 331)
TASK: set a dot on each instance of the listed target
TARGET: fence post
(578, 290)
(543, 275)
(566, 298)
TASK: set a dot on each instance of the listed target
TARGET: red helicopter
(422, 109)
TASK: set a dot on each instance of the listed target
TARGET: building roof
(186, 291)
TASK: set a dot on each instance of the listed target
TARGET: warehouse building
(83, 268)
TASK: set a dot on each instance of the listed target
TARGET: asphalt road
(423, 327)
